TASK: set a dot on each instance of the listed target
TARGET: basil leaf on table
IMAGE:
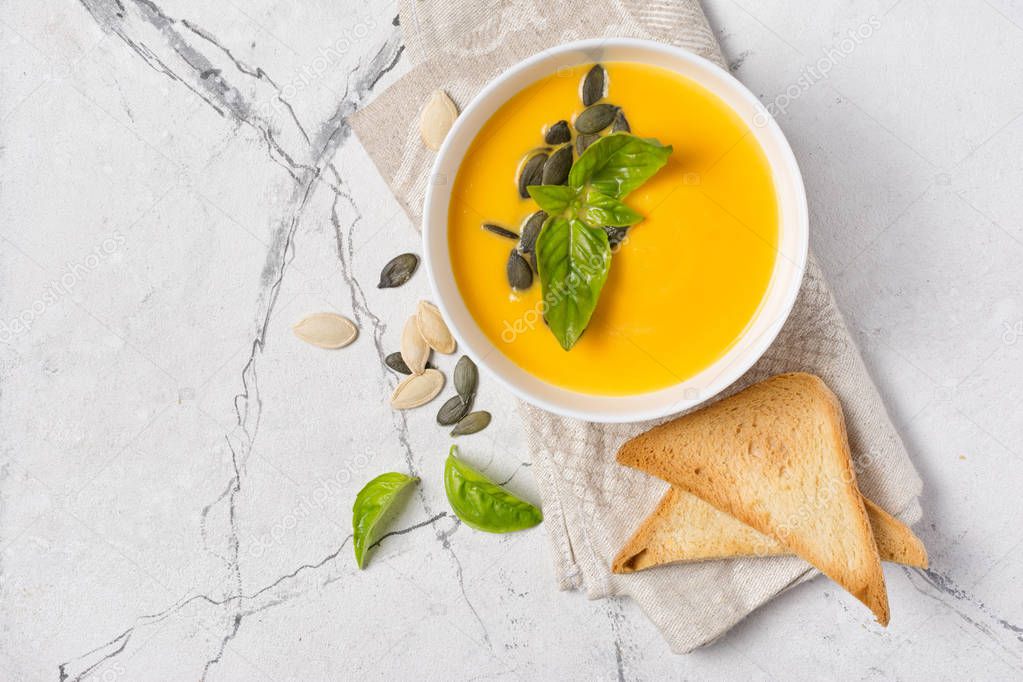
(482, 504)
(599, 209)
(618, 163)
(573, 259)
(371, 504)
(554, 199)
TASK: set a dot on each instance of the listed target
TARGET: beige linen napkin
(591, 505)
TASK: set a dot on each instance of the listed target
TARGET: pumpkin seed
(615, 235)
(433, 329)
(417, 390)
(620, 124)
(452, 411)
(398, 270)
(436, 118)
(555, 171)
(414, 349)
(558, 133)
(532, 261)
(593, 85)
(395, 362)
(499, 231)
(532, 171)
(473, 422)
(520, 275)
(530, 231)
(326, 330)
(584, 141)
(466, 378)
(595, 118)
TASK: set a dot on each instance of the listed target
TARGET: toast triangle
(775, 456)
(684, 528)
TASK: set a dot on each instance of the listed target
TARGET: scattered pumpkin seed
(593, 85)
(532, 171)
(417, 390)
(414, 349)
(520, 274)
(555, 171)
(558, 133)
(433, 329)
(436, 118)
(398, 270)
(620, 124)
(473, 422)
(530, 231)
(595, 118)
(615, 235)
(452, 411)
(395, 362)
(326, 330)
(466, 378)
(500, 231)
(584, 141)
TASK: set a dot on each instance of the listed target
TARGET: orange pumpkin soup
(689, 277)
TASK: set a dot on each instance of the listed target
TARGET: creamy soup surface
(688, 279)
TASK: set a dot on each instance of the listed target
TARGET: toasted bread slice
(895, 541)
(776, 457)
(684, 528)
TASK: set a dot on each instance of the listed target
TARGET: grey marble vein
(197, 73)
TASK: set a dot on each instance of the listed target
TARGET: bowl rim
(738, 366)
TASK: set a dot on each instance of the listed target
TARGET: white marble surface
(178, 186)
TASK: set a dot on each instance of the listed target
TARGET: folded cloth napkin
(591, 504)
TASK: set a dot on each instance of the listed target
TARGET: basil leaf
(573, 259)
(618, 163)
(554, 199)
(482, 504)
(599, 210)
(371, 504)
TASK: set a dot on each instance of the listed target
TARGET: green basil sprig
(371, 504)
(482, 504)
(573, 259)
(554, 199)
(573, 253)
(599, 209)
(617, 164)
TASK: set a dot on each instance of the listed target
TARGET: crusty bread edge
(912, 551)
(641, 536)
(875, 593)
(909, 551)
(638, 544)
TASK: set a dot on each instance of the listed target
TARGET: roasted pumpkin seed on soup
(558, 133)
(532, 171)
(595, 118)
(555, 170)
(593, 84)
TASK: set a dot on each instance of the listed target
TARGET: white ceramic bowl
(781, 292)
